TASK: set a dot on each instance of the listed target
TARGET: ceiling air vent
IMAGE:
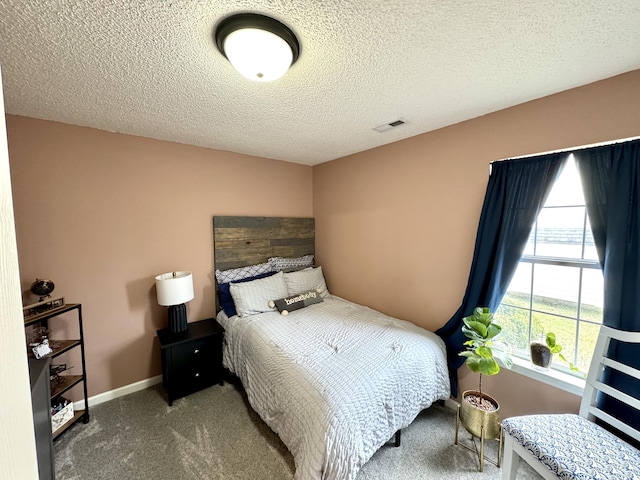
(389, 126)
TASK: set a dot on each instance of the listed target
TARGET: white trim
(118, 392)
(555, 378)
(451, 404)
(560, 380)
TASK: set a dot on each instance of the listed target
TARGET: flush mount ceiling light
(259, 47)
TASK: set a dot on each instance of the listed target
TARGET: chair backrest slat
(614, 422)
(594, 384)
(621, 367)
(615, 393)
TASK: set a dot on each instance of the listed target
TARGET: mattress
(335, 380)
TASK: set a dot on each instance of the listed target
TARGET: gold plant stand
(474, 447)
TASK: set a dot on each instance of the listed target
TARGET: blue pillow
(224, 295)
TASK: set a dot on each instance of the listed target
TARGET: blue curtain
(516, 192)
(610, 177)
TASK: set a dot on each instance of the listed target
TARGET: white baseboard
(118, 392)
(150, 382)
(451, 403)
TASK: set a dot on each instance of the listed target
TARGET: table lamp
(174, 289)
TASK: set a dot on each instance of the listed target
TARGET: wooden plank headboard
(242, 241)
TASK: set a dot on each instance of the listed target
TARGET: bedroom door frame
(17, 440)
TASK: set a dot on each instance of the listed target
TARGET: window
(558, 285)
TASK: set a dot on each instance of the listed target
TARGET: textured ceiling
(150, 67)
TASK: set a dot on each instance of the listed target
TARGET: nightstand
(191, 360)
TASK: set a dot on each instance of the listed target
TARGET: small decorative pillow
(286, 305)
(280, 264)
(253, 297)
(305, 280)
(235, 274)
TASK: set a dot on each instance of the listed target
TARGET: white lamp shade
(258, 54)
(174, 288)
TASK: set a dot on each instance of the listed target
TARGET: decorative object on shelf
(41, 349)
(37, 334)
(543, 349)
(42, 288)
(55, 372)
(35, 309)
(479, 412)
(260, 48)
(174, 289)
(61, 413)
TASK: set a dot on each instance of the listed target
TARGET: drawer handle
(197, 375)
(196, 351)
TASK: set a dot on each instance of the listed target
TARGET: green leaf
(551, 340)
(493, 331)
(474, 364)
(478, 327)
(484, 352)
(488, 366)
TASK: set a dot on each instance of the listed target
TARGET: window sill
(555, 378)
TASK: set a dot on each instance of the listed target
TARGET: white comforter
(335, 380)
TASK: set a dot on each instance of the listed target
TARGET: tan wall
(396, 225)
(102, 213)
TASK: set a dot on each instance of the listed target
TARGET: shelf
(66, 382)
(76, 415)
(60, 384)
(62, 346)
(41, 317)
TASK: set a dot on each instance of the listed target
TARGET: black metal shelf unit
(65, 382)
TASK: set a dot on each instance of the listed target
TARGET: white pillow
(253, 297)
(305, 280)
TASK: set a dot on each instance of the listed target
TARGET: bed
(335, 380)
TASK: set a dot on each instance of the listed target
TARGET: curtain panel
(516, 191)
(610, 177)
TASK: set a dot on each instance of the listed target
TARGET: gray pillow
(286, 305)
(235, 274)
(288, 264)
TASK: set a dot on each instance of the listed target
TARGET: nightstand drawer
(192, 381)
(197, 355)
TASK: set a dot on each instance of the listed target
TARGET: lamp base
(178, 318)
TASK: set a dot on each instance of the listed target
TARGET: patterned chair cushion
(572, 447)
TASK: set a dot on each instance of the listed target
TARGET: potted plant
(479, 411)
(542, 352)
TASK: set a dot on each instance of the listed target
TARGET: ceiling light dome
(259, 47)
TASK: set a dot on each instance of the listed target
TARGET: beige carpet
(214, 434)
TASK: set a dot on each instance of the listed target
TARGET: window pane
(560, 232)
(529, 247)
(515, 327)
(555, 289)
(565, 330)
(519, 291)
(586, 345)
(568, 189)
(590, 252)
(592, 295)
